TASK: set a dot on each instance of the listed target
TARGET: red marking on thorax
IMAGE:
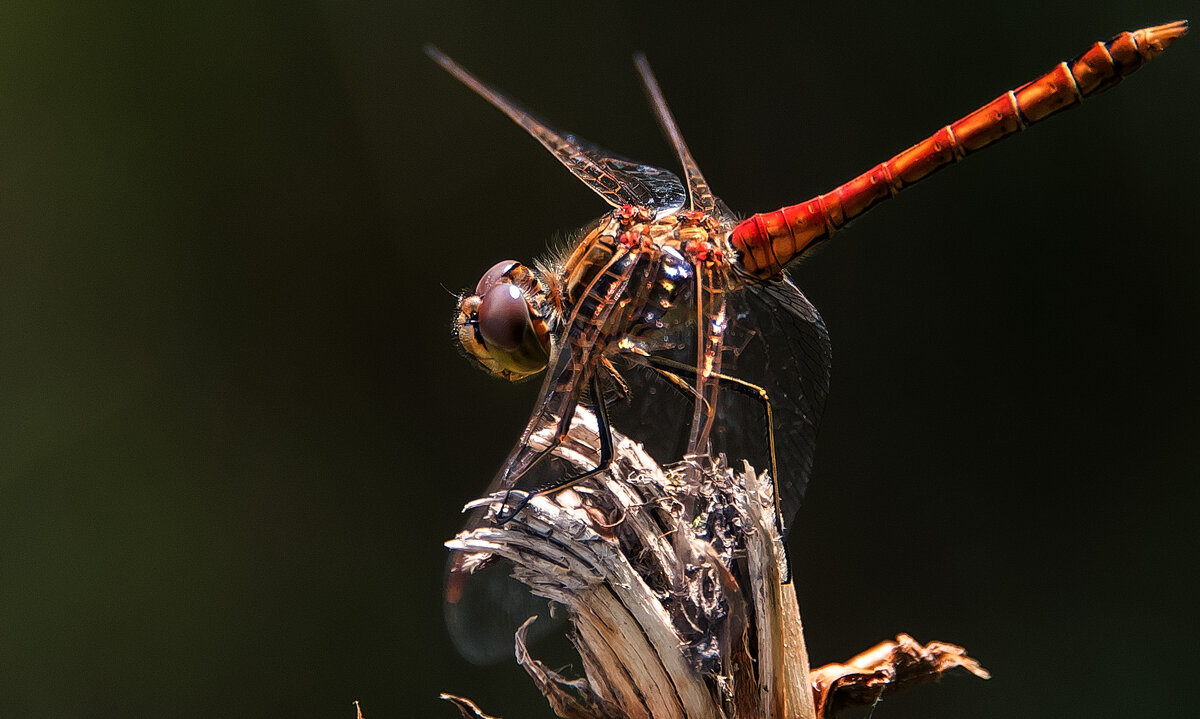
(704, 251)
(628, 214)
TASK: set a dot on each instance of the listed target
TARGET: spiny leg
(622, 386)
(604, 432)
(671, 371)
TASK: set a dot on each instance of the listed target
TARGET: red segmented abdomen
(769, 241)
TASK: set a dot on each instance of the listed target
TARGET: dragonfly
(668, 312)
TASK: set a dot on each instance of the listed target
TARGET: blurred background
(234, 432)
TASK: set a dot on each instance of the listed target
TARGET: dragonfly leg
(604, 432)
(618, 380)
(676, 373)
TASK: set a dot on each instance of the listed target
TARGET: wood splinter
(667, 629)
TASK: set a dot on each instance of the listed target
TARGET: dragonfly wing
(626, 182)
(485, 609)
(479, 608)
(484, 605)
(700, 197)
(784, 348)
(769, 337)
(616, 179)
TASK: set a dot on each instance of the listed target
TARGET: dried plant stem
(678, 614)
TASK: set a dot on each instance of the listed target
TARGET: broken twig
(678, 614)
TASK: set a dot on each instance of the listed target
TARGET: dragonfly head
(502, 327)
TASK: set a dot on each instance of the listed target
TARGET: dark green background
(234, 431)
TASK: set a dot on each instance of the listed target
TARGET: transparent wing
(700, 196)
(484, 608)
(483, 611)
(774, 340)
(797, 381)
(778, 342)
(618, 180)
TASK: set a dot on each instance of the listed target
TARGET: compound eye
(503, 317)
(508, 330)
(493, 275)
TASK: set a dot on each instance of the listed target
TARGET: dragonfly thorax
(688, 237)
(643, 269)
(506, 325)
